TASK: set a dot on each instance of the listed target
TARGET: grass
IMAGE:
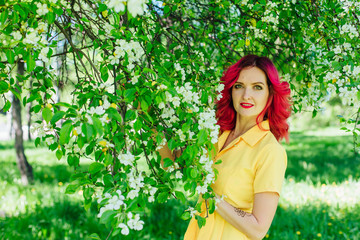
(320, 197)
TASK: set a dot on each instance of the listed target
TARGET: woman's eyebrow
(251, 83)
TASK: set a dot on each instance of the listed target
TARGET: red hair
(277, 108)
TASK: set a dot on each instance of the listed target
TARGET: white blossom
(134, 222)
(350, 30)
(49, 140)
(178, 175)
(106, 104)
(192, 211)
(43, 55)
(114, 202)
(133, 194)
(114, 60)
(134, 80)
(124, 229)
(99, 110)
(16, 35)
(117, 5)
(136, 7)
(31, 38)
(42, 27)
(201, 189)
(126, 158)
(42, 9)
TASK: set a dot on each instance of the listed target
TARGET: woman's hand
(256, 224)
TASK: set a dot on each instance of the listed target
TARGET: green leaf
(4, 87)
(211, 203)
(108, 180)
(168, 162)
(51, 17)
(95, 167)
(59, 154)
(104, 73)
(257, 7)
(218, 162)
(114, 114)
(63, 104)
(90, 148)
(162, 197)
(16, 94)
(20, 11)
(57, 116)
(10, 56)
(130, 115)
(4, 15)
(89, 131)
(144, 105)
(72, 188)
(6, 106)
(193, 173)
(30, 63)
(336, 65)
(87, 204)
(65, 133)
(166, 9)
(37, 142)
(180, 196)
(130, 95)
(148, 70)
(358, 95)
(107, 216)
(108, 159)
(98, 125)
(47, 114)
(148, 47)
(137, 125)
(58, 11)
(202, 137)
(88, 192)
(172, 144)
(185, 216)
(81, 141)
(314, 113)
(93, 236)
(73, 160)
(200, 220)
(48, 83)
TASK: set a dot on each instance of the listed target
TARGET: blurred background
(320, 197)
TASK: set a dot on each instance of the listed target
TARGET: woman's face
(250, 93)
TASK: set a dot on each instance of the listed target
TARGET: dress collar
(251, 137)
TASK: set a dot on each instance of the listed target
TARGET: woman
(252, 116)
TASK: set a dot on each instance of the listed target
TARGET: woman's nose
(246, 94)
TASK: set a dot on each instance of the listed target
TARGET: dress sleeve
(270, 170)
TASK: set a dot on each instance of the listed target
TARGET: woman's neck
(242, 125)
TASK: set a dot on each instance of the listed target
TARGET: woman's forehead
(252, 75)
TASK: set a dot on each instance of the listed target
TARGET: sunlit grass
(320, 197)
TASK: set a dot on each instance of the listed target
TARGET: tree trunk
(29, 120)
(24, 167)
(29, 115)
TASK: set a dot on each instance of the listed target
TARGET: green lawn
(320, 197)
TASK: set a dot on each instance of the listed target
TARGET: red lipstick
(246, 105)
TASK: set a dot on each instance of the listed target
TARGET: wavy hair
(277, 108)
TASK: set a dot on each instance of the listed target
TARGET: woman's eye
(257, 87)
(238, 86)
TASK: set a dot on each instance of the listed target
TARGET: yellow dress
(252, 163)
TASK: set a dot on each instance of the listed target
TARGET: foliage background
(137, 66)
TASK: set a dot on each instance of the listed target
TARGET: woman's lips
(246, 105)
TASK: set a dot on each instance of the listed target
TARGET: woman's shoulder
(271, 145)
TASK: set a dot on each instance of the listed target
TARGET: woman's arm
(256, 224)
